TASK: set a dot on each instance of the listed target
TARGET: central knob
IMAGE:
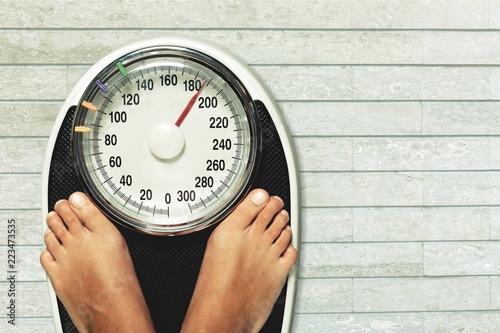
(166, 141)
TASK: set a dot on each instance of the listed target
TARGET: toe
(283, 241)
(57, 226)
(246, 212)
(274, 205)
(46, 259)
(89, 215)
(276, 227)
(289, 256)
(67, 215)
(52, 244)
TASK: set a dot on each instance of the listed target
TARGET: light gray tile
(74, 74)
(20, 192)
(23, 119)
(325, 225)
(414, 224)
(29, 325)
(159, 14)
(443, 259)
(460, 118)
(456, 223)
(362, 189)
(495, 223)
(353, 47)
(88, 46)
(421, 14)
(324, 296)
(27, 263)
(469, 188)
(494, 153)
(388, 224)
(361, 260)
(355, 323)
(22, 155)
(38, 83)
(323, 154)
(442, 294)
(495, 83)
(462, 322)
(28, 226)
(464, 47)
(414, 83)
(421, 154)
(31, 298)
(495, 292)
(494, 14)
(373, 119)
(308, 82)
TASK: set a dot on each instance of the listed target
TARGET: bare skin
(243, 271)
(90, 268)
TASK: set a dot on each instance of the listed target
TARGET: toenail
(259, 198)
(78, 200)
(279, 199)
(60, 201)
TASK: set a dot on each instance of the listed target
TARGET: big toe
(90, 216)
(246, 212)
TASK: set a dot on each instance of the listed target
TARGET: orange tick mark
(89, 106)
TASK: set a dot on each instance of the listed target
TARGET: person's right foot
(90, 268)
(245, 266)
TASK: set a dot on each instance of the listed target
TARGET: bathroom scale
(167, 136)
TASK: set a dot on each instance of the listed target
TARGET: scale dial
(165, 140)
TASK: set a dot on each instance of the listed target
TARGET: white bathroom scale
(167, 136)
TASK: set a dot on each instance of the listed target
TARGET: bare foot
(90, 268)
(244, 269)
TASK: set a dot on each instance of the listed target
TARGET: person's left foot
(90, 268)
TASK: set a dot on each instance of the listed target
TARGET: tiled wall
(394, 106)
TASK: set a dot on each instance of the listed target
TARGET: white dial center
(166, 141)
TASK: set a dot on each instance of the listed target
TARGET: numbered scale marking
(165, 140)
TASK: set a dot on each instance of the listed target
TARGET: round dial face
(164, 140)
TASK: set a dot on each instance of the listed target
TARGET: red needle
(189, 106)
